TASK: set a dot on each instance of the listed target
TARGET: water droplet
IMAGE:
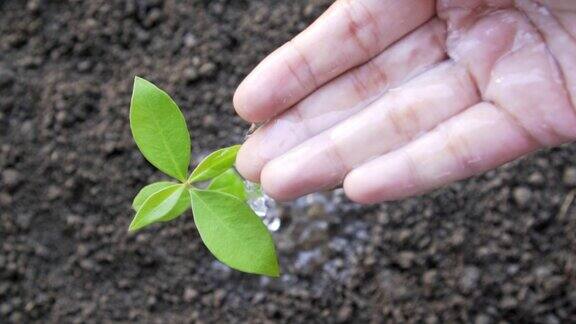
(264, 206)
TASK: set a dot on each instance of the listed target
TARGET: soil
(497, 248)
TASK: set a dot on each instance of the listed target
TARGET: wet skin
(396, 98)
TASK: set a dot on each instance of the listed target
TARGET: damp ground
(493, 249)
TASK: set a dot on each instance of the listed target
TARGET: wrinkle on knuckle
(307, 80)
(459, 150)
(361, 89)
(405, 121)
(415, 179)
(362, 26)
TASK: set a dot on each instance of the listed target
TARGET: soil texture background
(497, 248)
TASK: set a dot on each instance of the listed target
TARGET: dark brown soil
(497, 248)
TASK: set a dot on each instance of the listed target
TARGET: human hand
(396, 98)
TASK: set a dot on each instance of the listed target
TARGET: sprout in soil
(229, 228)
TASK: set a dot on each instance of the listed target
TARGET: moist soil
(497, 248)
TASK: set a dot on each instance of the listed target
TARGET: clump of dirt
(497, 247)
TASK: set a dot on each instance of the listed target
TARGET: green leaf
(159, 129)
(234, 233)
(229, 182)
(182, 205)
(215, 164)
(147, 191)
(160, 206)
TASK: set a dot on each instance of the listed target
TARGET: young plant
(229, 228)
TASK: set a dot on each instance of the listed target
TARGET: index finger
(348, 34)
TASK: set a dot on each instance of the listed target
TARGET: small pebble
(482, 319)
(569, 177)
(190, 294)
(345, 313)
(522, 196)
(190, 40)
(10, 178)
(207, 69)
(469, 280)
(536, 178)
(190, 74)
(406, 259)
(53, 192)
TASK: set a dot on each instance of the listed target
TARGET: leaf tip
(275, 271)
(275, 274)
(133, 227)
(139, 82)
(272, 270)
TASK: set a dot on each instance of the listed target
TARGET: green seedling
(229, 228)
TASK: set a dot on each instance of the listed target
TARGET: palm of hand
(396, 98)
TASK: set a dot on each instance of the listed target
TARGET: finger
(561, 43)
(343, 97)
(559, 4)
(388, 123)
(481, 138)
(568, 21)
(516, 70)
(351, 33)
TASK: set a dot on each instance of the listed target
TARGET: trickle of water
(252, 129)
(264, 206)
